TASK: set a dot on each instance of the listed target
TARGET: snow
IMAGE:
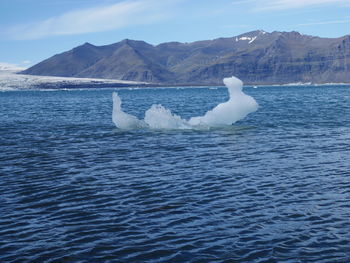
(249, 39)
(9, 80)
(252, 40)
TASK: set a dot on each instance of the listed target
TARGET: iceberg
(236, 108)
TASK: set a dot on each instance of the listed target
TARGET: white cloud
(236, 26)
(344, 21)
(97, 19)
(261, 5)
(26, 62)
(9, 66)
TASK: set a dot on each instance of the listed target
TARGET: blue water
(274, 187)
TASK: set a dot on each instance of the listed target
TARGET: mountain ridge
(257, 57)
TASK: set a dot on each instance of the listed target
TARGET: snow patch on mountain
(250, 39)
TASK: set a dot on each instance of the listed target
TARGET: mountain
(257, 57)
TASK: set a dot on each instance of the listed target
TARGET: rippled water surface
(274, 187)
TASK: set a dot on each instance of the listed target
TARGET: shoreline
(10, 80)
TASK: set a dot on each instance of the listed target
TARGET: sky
(33, 30)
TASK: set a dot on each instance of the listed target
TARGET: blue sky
(32, 30)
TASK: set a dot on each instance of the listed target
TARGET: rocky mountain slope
(256, 57)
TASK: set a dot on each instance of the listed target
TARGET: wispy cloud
(96, 19)
(9, 66)
(236, 26)
(261, 5)
(344, 21)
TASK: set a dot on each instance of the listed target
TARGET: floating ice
(158, 117)
(237, 107)
(122, 119)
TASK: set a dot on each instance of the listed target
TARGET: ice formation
(237, 107)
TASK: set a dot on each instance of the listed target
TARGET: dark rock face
(256, 57)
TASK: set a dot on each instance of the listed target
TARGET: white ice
(236, 108)
(11, 80)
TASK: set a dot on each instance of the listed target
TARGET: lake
(273, 187)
